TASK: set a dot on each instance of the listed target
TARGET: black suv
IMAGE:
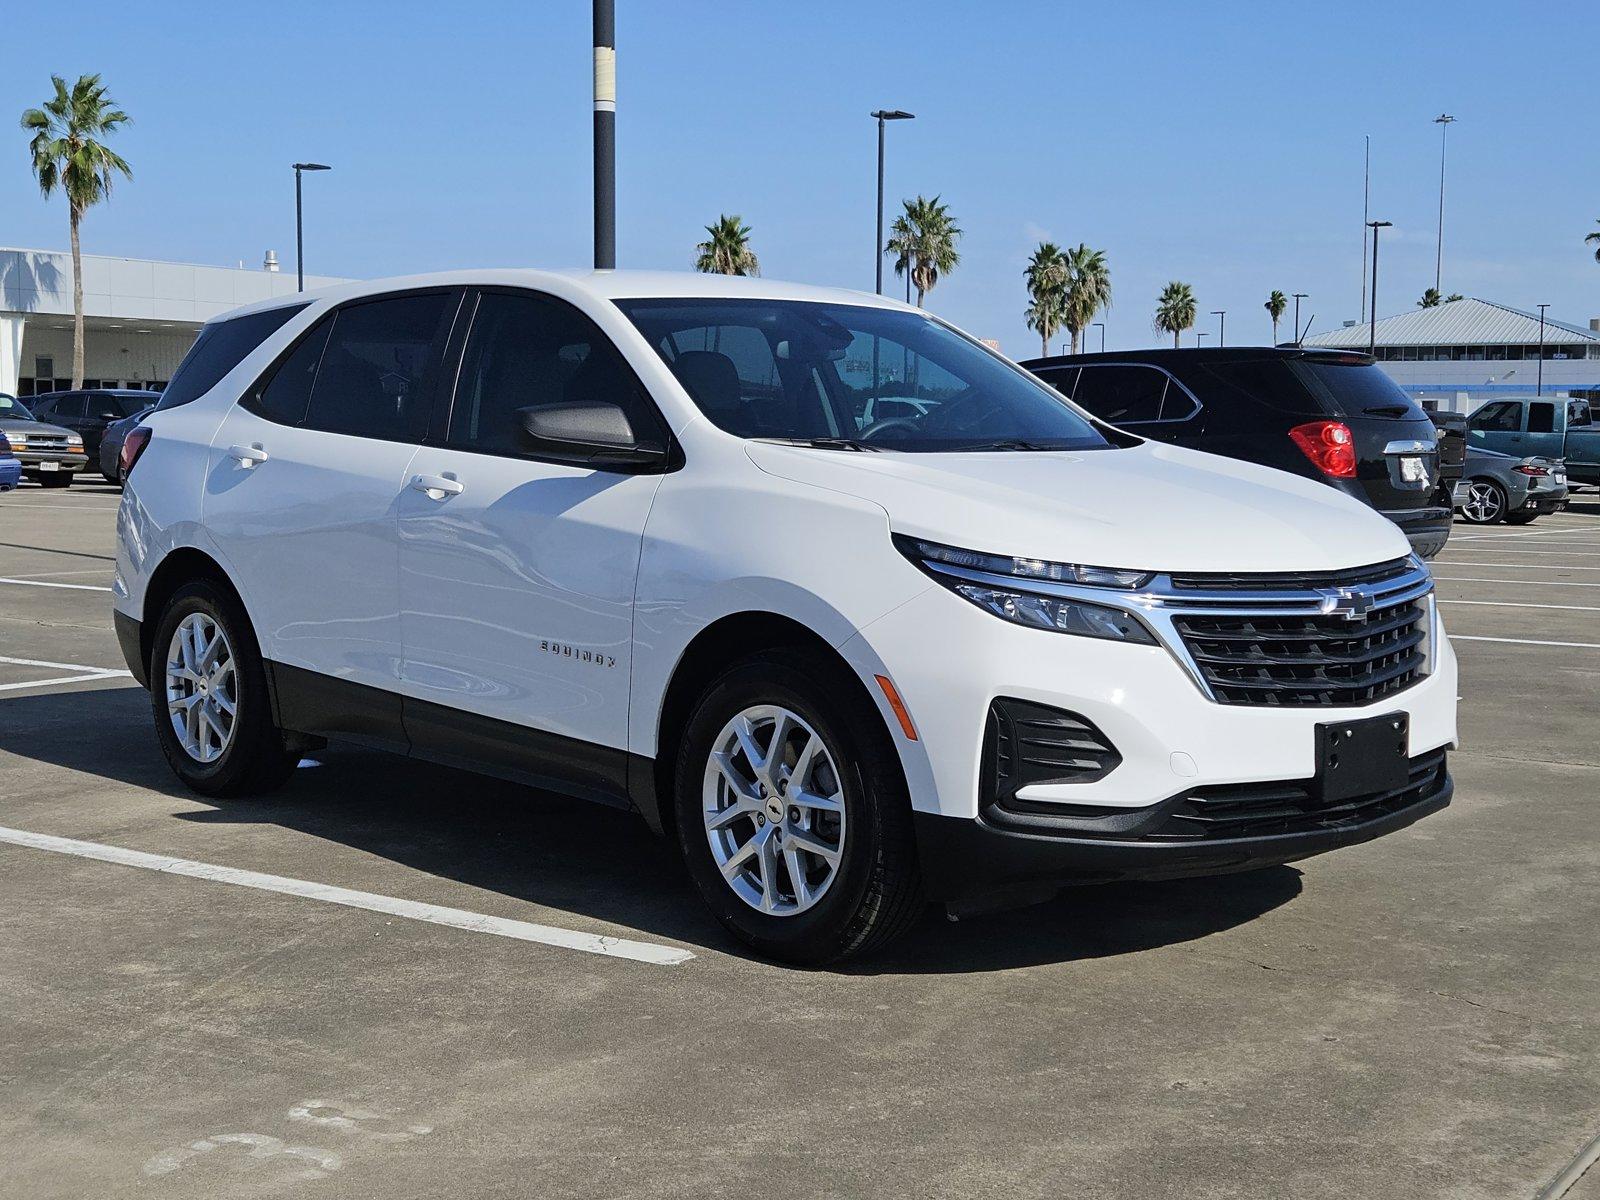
(89, 411)
(1327, 415)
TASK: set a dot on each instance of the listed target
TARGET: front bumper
(978, 862)
(1427, 529)
(66, 461)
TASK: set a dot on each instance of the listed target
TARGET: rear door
(1544, 429)
(304, 481)
(1582, 445)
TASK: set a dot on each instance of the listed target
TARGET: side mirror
(594, 433)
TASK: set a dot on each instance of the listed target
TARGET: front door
(516, 574)
(304, 479)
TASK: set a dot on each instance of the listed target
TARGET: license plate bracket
(1363, 757)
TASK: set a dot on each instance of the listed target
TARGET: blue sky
(1217, 144)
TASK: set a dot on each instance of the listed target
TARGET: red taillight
(132, 447)
(1329, 446)
(1529, 469)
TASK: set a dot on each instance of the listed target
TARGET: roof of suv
(1171, 358)
(605, 285)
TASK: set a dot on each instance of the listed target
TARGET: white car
(619, 535)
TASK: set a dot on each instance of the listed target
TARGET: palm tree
(1595, 238)
(1430, 299)
(1175, 310)
(727, 251)
(1088, 289)
(924, 243)
(68, 154)
(1276, 305)
(1047, 293)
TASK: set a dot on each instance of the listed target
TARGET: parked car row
(56, 435)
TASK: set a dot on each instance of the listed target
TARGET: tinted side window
(282, 394)
(221, 346)
(1578, 414)
(380, 367)
(1541, 417)
(71, 405)
(1063, 379)
(1503, 416)
(528, 351)
(105, 408)
(1122, 395)
(1265, 381)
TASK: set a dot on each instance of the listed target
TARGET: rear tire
(836, 785)
(1485, 503)
(194, 681)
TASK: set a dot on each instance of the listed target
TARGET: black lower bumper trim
(130, 636)
(965, 859)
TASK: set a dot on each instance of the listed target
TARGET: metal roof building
(1469, 349)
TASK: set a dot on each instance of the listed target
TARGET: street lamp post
(1101, 326)
(1221, 314)
(605, 135)
(1443, 121)
(1539, 389)
(1298, 296)
(299, 224)
(882, 114)
(1372, 327)
(1198, 334)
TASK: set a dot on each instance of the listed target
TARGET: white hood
(1152, 507)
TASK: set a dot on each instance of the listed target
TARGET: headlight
(957, 569)
(74, 439)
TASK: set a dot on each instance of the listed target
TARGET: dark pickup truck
(1552, 426)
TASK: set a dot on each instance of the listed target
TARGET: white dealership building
(140, 316)
(1462, 353)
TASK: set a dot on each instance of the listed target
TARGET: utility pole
(1539, 390)
(1366, 204)
(299, 237)
(1222, 325)
(605, 135)
(886, 114)
(1372, 327)
(1443, 121)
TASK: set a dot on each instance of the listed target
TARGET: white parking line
(1462, 637)
(84, 673)
(71, 587)
(67, 507)
(1541, 548)
(413, 910)
(1520, 604)
(1483, 537)
(1526, 566)
(1514, 582)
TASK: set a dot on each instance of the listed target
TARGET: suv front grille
(1327, 661)
(1239, 810)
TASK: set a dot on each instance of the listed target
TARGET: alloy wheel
(773, 805)
(202, 687)
(1483, 504)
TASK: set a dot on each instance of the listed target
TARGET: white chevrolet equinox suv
(851, 608)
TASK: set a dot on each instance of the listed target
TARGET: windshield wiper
(825, 443)
(1008, 444)
(1386, 410)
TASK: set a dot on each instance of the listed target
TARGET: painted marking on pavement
(71, 587)
(84, 674)
(1462, 637)
(414, 910)
(1521, 604)
(1513, 582)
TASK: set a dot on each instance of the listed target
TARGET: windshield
(12, 409)
(853, 376)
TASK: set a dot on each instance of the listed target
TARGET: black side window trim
(438, 431)
(447, 366)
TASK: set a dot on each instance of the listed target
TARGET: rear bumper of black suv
(1427, 529)
(1001, 857)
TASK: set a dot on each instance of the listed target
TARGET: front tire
(208, 693)
(1485, 503)
(792, 812)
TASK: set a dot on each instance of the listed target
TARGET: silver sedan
(1498, 487)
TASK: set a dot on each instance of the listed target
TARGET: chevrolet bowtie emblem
(1343, 602)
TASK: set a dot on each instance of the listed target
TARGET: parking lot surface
(396, 980)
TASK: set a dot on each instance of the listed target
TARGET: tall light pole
(605, 135)
(1101, 326)
(1298, 296)
(299, 224)
(1443, 121)
(1198, 334)
(1372, 327)
(1221, 314)
(883, 114)
(1539, 390)
(1366, 204)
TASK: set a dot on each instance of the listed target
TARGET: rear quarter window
(221, 346)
